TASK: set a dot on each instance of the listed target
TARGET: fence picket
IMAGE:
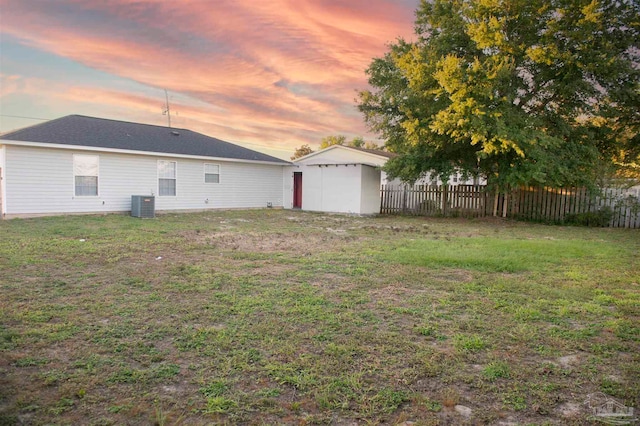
(529, 203)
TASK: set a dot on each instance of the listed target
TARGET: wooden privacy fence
(617, 208)
(433, 200)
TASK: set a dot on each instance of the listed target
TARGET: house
(338, 179)
(79, 164)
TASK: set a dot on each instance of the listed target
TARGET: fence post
(404, 200)
(445, 199)
(504, 204)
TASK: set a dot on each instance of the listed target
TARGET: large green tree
(520, 91)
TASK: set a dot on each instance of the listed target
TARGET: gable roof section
(83, 131)
(375, 152)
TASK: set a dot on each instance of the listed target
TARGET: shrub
(599, 218)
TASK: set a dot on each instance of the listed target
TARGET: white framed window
(167, 178)
(211, 173)
(85, 175)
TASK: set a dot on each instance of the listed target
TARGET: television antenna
(167, 110)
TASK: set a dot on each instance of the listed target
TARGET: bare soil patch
(280, 317)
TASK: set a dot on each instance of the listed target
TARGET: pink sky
(270, 75)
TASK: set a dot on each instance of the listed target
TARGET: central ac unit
(143, 206)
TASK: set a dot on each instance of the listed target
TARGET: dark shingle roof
(81, 130)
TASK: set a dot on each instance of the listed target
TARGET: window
(211, 173)
(167, 178)
(85, 175)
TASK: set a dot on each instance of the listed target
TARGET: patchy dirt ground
(279, 317)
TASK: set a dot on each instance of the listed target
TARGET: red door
(297, 190)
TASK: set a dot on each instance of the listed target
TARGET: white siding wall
(40, 180)
(311, 188)
(335, 189)
(370, 196)
(341, 188)
(2, 180)
(287, 187)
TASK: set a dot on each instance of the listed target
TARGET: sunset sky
(269, 75)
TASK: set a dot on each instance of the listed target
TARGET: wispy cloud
(278, 73)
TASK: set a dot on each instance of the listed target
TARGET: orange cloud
(274, 133)
(282, 72)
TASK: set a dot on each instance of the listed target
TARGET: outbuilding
(338, 179)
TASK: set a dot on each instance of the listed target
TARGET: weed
(53, 377)
(515, 400)
(8, 339)
(164, 371)
(291, 374)
(269, 392)
(626, 330)
(31, 362)
(126, 375)
(427, 330)
(450, 397)
(469, 344)
(430, 404)
(8, 419)
(388, 400)
(266, 317)
(527, 314)
(216, 388)
(63, 405)
(295, 406)
(613, 387)
(160, 416)
(253, 355)
(219, 404)
(496, 370)
(118, 408)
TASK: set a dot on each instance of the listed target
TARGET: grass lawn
(281, 317)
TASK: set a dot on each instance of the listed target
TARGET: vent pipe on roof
(174, 133)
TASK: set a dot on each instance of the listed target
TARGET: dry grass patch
(280, 317)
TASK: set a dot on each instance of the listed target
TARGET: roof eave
(357, 163)
(136, 152)
(332, 147)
